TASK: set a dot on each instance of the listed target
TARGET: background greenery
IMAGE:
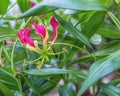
(88, 39)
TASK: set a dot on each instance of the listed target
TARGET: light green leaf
(6, 33)
(99, 69)
(24, 5)
(51, 5)
(46, 71)
(3, 6)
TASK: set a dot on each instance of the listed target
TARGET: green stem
(25, 24)
(1, 55)
(115, 20)
(19, 85)
(12, 56)
(56, 53)
(93, 90)
(35, 60)
(6, 53)
(72, 46)
(40, 65)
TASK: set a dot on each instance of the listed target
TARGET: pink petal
(40, 29)
(21, 38)
(27, 38)
(32, 4)
(55, 26)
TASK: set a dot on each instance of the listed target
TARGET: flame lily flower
(24, 38)
(42, 31)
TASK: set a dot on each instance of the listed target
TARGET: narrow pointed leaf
(93, 24)
(79, 35)
(6, 33)
(46, 71)
(109, 30)
(24, 5)
(4, 91)
(51, 5)
(99, 69)
(3, 6)
(7, 78)
(110, 90)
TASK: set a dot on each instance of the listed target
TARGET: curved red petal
(55, 26)
(27, 38)
(20, 35)
(40, 29)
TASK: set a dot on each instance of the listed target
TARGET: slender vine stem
(72, 46)
(25, 24)
(5, 51)
(35, 60)
(12, 56)
(1, 55)
(19, 85)
(56, 53)
(41, 63)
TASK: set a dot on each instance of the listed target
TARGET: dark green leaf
(6, 32)
(44, 85)
(109, 49)
(109, 31)
(99, 69)
(7, 78)
(79, 35)
(93, 24)
(110, 90)
(68, 90)
(4, 91)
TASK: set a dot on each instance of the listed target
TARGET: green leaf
(42, 86)
(3, 6)
(24, 5)
(31, 85)
(110, 31)
(68, 90)
(77, 34)
(7, 78)
(115, 19)
(4, 91)
(93, 24)
(105, 51)
(110, 90)
(99, 69)
(6, 33)
(46, 71)
(51, 5)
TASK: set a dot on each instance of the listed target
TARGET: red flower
(24, 37)
(42, 30)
